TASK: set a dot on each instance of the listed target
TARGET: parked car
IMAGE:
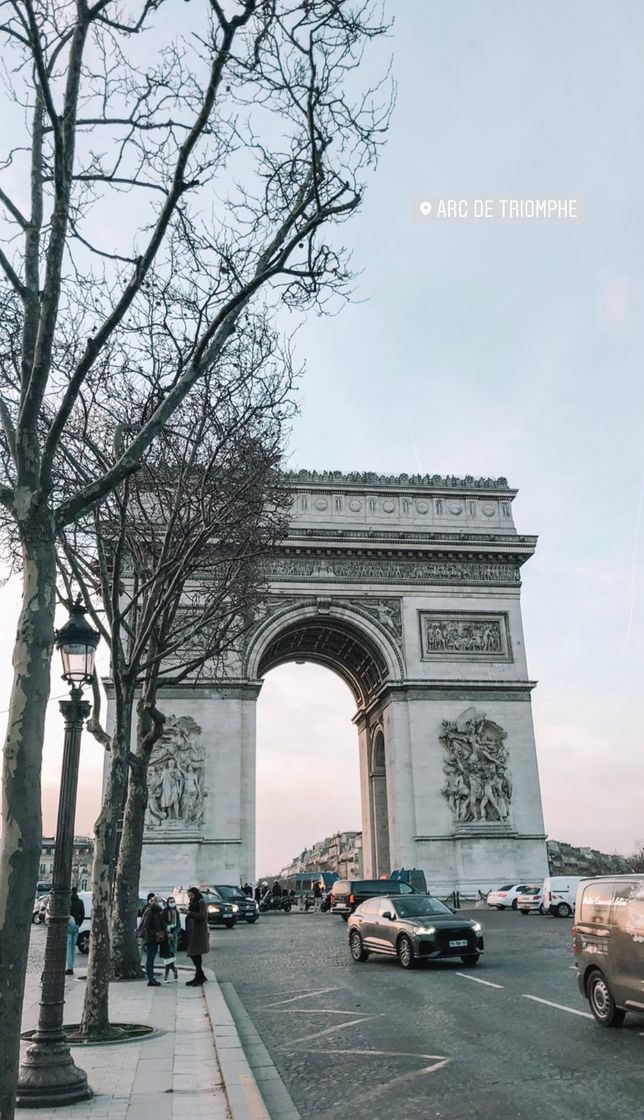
(412, 928)
(608, 941)
(220, 912)
(531, 901)
(506, 898)
(559, 894)
(347, 894)
(247, 907)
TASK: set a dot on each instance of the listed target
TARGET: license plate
(457, 944)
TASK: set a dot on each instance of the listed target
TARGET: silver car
(412, 928)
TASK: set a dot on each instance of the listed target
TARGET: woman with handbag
(168, 948)
(153, 932)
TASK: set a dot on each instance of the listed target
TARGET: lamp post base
(49, 1077)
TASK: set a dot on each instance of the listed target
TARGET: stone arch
(344, 639)
(378, 801)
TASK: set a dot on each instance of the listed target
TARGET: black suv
(248, 910)
(346, 894)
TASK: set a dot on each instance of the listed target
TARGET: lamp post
(48, 1075)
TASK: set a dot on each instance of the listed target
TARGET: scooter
(270, 901)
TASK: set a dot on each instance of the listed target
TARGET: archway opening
(307, 768)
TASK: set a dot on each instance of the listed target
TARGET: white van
(559, 894)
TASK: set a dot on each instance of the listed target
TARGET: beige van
(608, 940)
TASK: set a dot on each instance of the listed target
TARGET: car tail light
(352, 899)
(574, 940)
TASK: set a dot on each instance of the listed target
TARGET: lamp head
(77, 642)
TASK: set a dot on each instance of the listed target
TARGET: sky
(487, 349)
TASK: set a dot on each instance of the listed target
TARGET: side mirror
(388, 914)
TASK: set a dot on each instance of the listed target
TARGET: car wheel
(251, 921)
(355, 945)
(500, 907)
(83, 942)
(525, 911)
(541, 909)
(515, 904)
(287, 908)
(562, 910)
(36, 919)
(601, 1001)
(405, 951)
(470, 958)
(229, 924)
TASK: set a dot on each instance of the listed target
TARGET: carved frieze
(386, 611)
(340, 569)
(454, 636)
(176, 786)
(477, 786)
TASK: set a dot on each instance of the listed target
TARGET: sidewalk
(195, 1069)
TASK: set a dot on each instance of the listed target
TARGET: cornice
(368, 480)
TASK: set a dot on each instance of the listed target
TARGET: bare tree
(174, 559)
(234, 147)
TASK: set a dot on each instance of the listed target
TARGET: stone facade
(409, 588)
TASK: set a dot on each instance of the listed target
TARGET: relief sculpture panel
(464, 636)
(176, 788)
(478, 786)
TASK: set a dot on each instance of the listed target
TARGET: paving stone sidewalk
(176, 1075)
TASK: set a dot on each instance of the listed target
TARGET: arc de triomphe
(409, 588)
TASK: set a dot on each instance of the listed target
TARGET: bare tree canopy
(152, 182)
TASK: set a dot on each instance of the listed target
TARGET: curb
(244, 1098)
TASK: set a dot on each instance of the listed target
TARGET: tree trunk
(21, 841)
(126, 956)
(95, 1020)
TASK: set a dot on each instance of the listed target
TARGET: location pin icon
(425, 208)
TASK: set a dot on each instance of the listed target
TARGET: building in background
(341, 853)
(82, 857)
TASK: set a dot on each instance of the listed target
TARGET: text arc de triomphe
(409, 588)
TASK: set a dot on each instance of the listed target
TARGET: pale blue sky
(508, 349)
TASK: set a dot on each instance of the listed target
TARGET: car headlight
(214, 910)
(424, 929)
(476, 926)
(235, 909)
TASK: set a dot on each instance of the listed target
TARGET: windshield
(210, 897)
(418, 906)
(228, 892)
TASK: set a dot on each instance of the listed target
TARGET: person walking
(197, 935)
(76, 919)
(153, 933)
(317, 897)
(168, 948)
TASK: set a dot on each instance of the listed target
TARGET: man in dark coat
(152, 929)
(197, 935)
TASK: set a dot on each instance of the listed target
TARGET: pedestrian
(152, 930)
(197, 935)
(75, 921)
(248, 890)
(258, 894)
(277, 890)
(317, 897)
(168, 948)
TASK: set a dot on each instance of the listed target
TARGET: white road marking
(309, 1011)
(559, 1006)
(466, 976)
(437, 1062)
(304, 995)
(329, 1030)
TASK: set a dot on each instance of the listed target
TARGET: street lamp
(48, 1075)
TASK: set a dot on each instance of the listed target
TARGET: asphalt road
(372, 1041)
